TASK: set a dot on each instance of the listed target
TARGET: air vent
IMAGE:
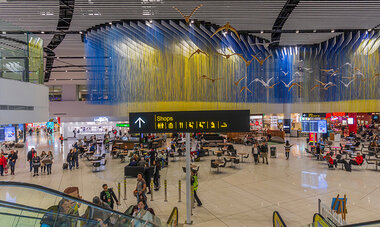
(15, 107)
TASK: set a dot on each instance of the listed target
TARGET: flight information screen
(314, 126)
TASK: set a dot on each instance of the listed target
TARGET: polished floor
(243, 196)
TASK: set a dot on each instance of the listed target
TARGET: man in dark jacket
(264, 152)
(108, 196)
(30, 157)
(75, 158)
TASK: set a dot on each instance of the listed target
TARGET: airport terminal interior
(189, 113)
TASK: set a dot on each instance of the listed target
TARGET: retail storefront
(98, 127)
(256, 122)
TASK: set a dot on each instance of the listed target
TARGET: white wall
(72, 111)
(14, 92)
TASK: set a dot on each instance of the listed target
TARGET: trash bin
(273, 152)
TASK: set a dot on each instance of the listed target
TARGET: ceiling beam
(280, 21)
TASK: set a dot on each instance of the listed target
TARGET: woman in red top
(358, 160)
(3, 164)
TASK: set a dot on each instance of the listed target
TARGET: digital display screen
(314, 126)
(350, 121)
(190, 121)
(10, 133)
(2, 134)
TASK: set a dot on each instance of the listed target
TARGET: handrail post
(179, 191)
(151, 191)
(166, 190)
(125, 188)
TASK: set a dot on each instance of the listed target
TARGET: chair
(226, 161)
(223, 165)
(247, 156)
(236, 161)
(370, 162)
(214, 166)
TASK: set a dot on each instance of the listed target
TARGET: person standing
(148, 176)
(140, 187)
(264, 152)
(108, 196)
(30, 157)
(3, 164)
(36, 164)
(287, 149)
(75, 158)
(61, 139)
(70, 159)
(12, 161)
(194, 183)
(43, 159)
(49, 162)
(75, 133)
(156, 175)
(255, 153)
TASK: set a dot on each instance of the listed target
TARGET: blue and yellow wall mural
(170, 61)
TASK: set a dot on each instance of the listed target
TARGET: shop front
(98, 127)
(256, 122)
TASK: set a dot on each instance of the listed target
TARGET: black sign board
(190, 121)
(314, 115)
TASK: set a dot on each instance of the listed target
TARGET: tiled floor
(242, 196)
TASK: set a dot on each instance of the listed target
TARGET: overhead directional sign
(190, 121)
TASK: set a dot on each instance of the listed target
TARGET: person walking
(264, 152)
(12, 161)
(49, 162)
(287, 149)
(61, 139)
(70, 159)
(30, 157)
(3, 164)
(148, 176)
(194, 183)
(36, 161)
(108, 196)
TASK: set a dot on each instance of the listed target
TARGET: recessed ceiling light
(192, 21)
(297, 31)
(42, 32)
(332, 31)
(151, 21)
(369, 30)
(110, 23)
(55, 79)
(4, 33)
(80, 32)
(84, 57)
(314, 31)
(86, 71)
(57, 57)
(71, 79)
(262, 32)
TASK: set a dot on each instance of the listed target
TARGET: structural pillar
(287, 117)
(188, 180)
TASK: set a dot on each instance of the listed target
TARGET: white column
(188, 180)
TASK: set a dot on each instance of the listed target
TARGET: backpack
(65, 166)
(49, 219)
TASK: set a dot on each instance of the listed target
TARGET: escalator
(24, 204)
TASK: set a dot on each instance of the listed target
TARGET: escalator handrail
(362, 224)
(40, 211)
(63, 195)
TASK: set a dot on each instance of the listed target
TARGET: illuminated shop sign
(190, 121)
(122, 125)
(314, 115)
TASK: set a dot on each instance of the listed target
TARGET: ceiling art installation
(170, 61)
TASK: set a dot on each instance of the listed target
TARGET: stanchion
(179, 191)
(166, 190)
(151, 191)
(118, 190)
(125, 188)
(192, 199)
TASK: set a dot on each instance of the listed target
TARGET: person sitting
(331, 161)
(358, 160)
(101, 216)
